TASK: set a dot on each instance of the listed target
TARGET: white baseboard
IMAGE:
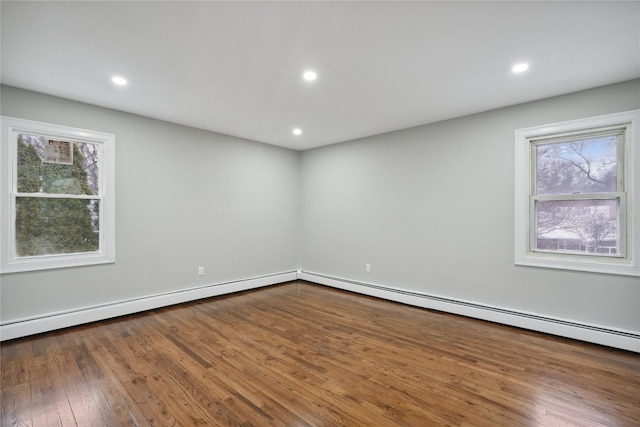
(63, 319)
(612, 337)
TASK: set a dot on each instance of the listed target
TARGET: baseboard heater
(618, 338)
(67, 318)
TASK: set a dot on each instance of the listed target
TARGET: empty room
(332, 213)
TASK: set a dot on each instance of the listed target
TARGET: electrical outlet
(200, 271)
(367, 268)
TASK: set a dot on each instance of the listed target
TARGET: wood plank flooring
(299, 354)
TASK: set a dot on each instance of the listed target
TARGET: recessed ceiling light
(120, 81)
(518, 68)
(309, 75)
(297, 131)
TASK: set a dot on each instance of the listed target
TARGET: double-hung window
(57, 204)
(575, 202)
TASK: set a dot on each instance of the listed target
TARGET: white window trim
(9, 262)
(628, 265)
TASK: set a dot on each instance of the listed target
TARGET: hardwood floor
(298, 354)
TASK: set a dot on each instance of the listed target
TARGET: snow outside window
(575, 198)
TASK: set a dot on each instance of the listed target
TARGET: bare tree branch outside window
(587, 167)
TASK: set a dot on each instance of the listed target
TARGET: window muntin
(59, 210)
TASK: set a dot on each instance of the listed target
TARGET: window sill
(58, 261)
(592, 264)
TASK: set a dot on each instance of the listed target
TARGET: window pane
(57, 167)
(578, 166)
(586, 226)
(56, 226)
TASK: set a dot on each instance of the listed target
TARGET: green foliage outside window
(53, 225)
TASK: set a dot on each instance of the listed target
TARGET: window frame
(619, 196)
(9, 261)
(526, 139)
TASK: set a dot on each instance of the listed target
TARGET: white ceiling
(235, 67)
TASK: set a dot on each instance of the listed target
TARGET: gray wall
(184, 198)
(431, 209)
